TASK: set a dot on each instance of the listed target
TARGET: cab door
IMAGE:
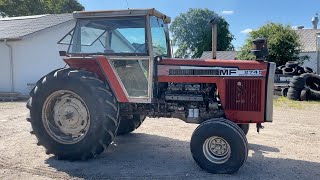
(135, 77)
(132, 61)
(136, 72)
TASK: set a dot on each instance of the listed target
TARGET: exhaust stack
(214, 23)
(260, 48)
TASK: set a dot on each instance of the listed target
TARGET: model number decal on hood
(212, 71)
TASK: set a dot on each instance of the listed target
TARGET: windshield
(121, 35)
(158, 33)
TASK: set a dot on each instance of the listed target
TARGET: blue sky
(241, 15)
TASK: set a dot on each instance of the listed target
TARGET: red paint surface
(88, 64)
(241, 64)
(101, 66)
(112, 78)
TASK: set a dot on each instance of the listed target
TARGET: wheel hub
(216, 149)
(66, 117)
(70, 115)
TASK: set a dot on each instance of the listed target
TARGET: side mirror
(63, 53)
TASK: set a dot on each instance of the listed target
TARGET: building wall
(36, 55)
(312, 63)
(5, 85)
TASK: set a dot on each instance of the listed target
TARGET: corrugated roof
(17, 27)
(227, 55)
(308, 39)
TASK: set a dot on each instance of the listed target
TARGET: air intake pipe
(260, 48)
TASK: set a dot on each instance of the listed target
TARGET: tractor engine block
(192, 103)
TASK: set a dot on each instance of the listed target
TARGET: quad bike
(121, 71)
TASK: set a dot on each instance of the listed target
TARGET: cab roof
(119, 13)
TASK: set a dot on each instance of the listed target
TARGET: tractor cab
(129, 39)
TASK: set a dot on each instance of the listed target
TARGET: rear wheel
(219, 146)
(244, 128)
(129, 124)
(73, 114)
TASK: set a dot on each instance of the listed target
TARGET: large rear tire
(73, 114)
(127, 125)
(244, 128)
(219, 146)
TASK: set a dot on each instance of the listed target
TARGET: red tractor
(121, 71)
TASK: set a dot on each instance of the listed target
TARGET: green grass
(287, 103)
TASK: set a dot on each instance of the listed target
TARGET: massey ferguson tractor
(120, 71)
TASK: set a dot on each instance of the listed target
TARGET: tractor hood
(205, 64)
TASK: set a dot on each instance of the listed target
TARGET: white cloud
(246, 31)
(227, 12)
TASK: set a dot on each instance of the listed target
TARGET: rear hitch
(259, 126)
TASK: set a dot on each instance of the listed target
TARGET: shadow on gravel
(149, 156)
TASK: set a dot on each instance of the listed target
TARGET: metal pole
(318, 63)
(11, 64)
(214, 41)
(318, 53)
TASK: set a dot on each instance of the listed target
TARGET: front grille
(243, 95)
(193, 72)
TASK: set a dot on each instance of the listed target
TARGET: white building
(309, 39)
(29, 49)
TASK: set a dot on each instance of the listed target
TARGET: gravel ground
(289, 148)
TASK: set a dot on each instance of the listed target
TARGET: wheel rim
(66, 117)
(216, 150)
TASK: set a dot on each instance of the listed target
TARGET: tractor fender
(101, 66)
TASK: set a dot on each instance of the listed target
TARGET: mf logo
(227, 72)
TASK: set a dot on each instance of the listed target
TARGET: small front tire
(219, 146)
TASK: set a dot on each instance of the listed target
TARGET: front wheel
(73, 114)
(219, 146)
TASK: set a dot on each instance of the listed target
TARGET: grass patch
(287, 103)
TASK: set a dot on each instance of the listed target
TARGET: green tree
(13, 8)
(283, 44)
(192, 33)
